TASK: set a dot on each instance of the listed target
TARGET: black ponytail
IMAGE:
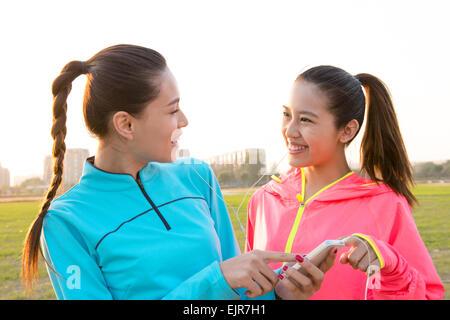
(383, 153)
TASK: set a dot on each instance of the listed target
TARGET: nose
(292, 130)
(183, 121)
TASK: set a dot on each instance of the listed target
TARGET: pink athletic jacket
(279, 220)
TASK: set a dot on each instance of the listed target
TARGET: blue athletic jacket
(159, 236)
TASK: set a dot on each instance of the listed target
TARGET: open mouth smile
(297, 148)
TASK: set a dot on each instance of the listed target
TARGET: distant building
(240, 158)
(74, 160)
(73, 165)
(239, 168)
(5, 178)
(48, 169)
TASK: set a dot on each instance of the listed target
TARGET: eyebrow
(312, 114)
(176, 100)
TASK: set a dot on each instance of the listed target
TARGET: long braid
(61, 88)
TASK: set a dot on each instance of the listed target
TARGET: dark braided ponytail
(60, 89)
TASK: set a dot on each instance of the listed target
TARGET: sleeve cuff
(386, 254)
(374, 246)
(221, 285)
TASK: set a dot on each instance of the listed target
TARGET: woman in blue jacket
(141, 224)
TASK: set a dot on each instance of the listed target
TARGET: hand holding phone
(320, 253)
(304, 278)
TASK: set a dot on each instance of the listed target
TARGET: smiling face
(308, 127)
(157, 128)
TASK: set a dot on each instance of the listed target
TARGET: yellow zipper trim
(294, 228)
(369, 184)
(303, 203)
(276, 178)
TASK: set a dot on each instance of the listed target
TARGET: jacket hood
(351, 187)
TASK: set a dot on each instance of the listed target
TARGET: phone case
(319, 254)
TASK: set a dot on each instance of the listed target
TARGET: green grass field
(432, 218)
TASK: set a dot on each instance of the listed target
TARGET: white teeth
(297, 148)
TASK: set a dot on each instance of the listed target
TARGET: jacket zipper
(301, 209)
(155, 208)
(295, 226)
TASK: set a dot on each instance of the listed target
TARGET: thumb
(344, 257)
(275, 256)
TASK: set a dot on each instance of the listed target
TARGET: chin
(298, 163)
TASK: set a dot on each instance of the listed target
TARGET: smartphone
(319, 254)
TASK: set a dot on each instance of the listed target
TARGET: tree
(445, 173)
(245, 177)
(32, 182)
(225, 177)
(427, 170)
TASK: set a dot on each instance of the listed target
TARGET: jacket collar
(350, 187)
(99, 179)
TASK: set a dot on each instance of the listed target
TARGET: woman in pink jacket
(320, 198)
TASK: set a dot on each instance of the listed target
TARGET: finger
(275, 256)
(329, 261)
(267, 272)
(314, 273)
(263, 283)
(312, 270)
(291, 286)
(283, 273)
(358, 242)
(356, 255)
(344, 257)
(363, 263)
(352, 242)
(300, 280)
(254, 290)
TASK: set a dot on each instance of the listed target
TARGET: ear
(123, 124)
(349, 131)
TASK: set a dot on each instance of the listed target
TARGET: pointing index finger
(275, 256)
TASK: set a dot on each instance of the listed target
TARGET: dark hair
(383, 153)
(119, 78)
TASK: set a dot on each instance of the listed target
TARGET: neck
(116, 159)
(319, 176)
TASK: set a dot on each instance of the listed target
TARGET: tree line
(431, 170)
(247, 174)
(230, 175)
